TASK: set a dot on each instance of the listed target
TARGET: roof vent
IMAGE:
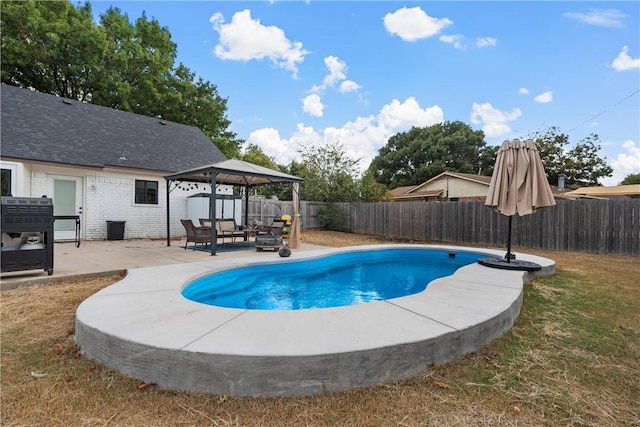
(162, 123)
(67, 101)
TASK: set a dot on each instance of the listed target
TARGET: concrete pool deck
(143, 327)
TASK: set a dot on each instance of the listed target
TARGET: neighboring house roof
(45, 128)
(481, 179)
(614, 191)
(415, 195)
(419, 191)
(401, 191)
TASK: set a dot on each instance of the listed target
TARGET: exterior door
(67, 200)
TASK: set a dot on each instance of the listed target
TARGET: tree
(631, 179)
(370, 190)
(56, 48)
(254, 154)
(329, 174)
(51, 47)
(412, 157)
(580, 165)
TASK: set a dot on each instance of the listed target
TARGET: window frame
(145, 196)
(16, 172)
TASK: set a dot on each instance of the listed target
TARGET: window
(146, 192)
(5, 182)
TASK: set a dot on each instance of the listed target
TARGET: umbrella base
(511, 265)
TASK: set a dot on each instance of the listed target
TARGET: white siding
(109, 196)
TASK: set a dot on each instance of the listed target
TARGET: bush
(333, 218)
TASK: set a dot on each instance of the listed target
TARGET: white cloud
(544, 97)
(523, 91)
(486, 42)
(313, 105)
(337, 73)
(610, 18)
(455, 40)
(245, 39)
(414, 24)
(336, 69)
(349, 86)
(494, 122)
(624, 62)
(273, 145)
(396, 117)
(625, 164)
(360, 138)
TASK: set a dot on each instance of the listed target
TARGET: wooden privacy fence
(265, 210)
(604, 226)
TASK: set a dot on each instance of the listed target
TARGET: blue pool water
(332, 281)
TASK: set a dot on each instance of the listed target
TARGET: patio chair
(196, 234)
(271, 239)
(227, 227)
(276, 227)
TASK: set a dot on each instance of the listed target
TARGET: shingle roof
(41, 127)
(618, 190)
(396, 192)
(481, 179)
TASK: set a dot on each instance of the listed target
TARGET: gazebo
(237, 173)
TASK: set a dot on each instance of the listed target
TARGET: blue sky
(302, 73)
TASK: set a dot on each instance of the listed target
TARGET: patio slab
(106, 257)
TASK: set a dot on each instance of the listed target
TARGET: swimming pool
(333, 281)
(143, 327)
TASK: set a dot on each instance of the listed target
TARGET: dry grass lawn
(573, 358)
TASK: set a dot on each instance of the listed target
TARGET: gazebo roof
(234, 172)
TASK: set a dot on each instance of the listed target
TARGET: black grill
(23, 219)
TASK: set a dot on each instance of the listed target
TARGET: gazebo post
(246, 210)
(168, 183)
(212, 214)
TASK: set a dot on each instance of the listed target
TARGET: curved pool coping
(143, 327)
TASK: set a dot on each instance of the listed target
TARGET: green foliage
(371, 190)
(254, 154)
(52, 47)
(56, 48)
(333, 218)
(580, 165)
(418, 155)
(329, 174)
(631, 179)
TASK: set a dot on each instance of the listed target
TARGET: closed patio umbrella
(518, 186)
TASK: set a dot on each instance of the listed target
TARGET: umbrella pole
(508, 255)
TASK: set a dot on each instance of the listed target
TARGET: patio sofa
(227, 228)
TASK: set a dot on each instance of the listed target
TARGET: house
(601, 192)
(448, 186)
(99, 163)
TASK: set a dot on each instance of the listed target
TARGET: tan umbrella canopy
(518, 185)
